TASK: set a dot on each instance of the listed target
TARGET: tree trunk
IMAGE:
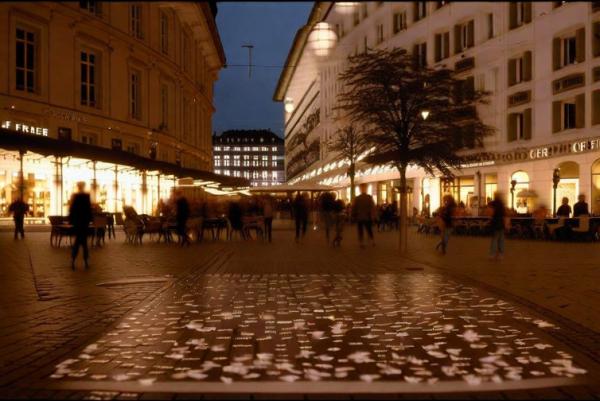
(403, 245)
(351, 174)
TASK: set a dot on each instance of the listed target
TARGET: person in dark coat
(182, 215)
(565, 209)
(80, 216)
(447, 211)
(300, 210)
(581, 207)
(497, 212)
(19, 209)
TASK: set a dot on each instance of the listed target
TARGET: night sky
(244, 103)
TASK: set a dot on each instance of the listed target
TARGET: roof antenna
(250, 47)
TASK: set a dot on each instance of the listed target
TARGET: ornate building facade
(134, 77)
(539, 60)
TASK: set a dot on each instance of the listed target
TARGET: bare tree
(350, 144)
(415, 115)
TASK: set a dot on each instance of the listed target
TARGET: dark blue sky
(247, 103)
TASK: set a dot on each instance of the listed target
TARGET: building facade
(256, 155)
(129, 76)
(539, 60)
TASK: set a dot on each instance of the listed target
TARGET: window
(92, 7)
(264, 149)
(519, 126)
(90, 139)
(135, 110)
(237, 149)
(246, 174)
(274, 175)
(135, 21)
(217, 162)
(236, 173)
(274, 149)
(365, 10)
(274, 163)
(226, 172)
(491, 25)
(519, 13)
(265, 175)
(218, 148)
(116, 144)
(569, 49)
(568, 114)
(379, 33)
(226, 149)
(420, 54)
(164, 33)
(519, 69)
(89, 76)
(399, 21)
(464, 36)
(246, 149)
(218, 171)
(355, 18)
(442, 46)
(132, 148)
(26, 60)
(164, 107)
(255, 149)
(420, 10)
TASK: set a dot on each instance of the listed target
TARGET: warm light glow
(345, 7)
(288, 105)
(322, 39)
(425, 114)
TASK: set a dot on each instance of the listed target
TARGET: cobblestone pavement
(254, 320)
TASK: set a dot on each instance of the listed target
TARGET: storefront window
(595, 201)
(521, 179)
(568, 187)
(491, 186)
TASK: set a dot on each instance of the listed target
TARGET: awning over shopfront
(16, 141)
(292, 188)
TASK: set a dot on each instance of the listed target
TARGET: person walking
(327, 204)
(363, 212)
(581, 207)
(80, 216)
(268, 216)
(447, 211)
(300, 210)
(182, 215)
(339, 219)
(497, 212)
(19, 209)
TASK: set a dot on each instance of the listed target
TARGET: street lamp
(288, 104)
(555, 181)
(425, 114)
(513, 184)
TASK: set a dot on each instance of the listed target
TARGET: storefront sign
(537, 153)
(65, 115)
(25, 128)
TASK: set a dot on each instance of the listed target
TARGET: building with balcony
(256, 155)
(539, 60)
(127, 87)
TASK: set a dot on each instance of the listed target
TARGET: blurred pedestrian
(182, 215)
(80, 216)
(300, 210)
(327, 204)
(447, 211)
(268, 216)
(339, 219)
(497, 212)
(581, 207)
(19, 209)
(364, 212)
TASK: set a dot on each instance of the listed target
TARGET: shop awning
(293, 188)
(11, 140)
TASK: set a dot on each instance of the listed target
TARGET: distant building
(256, 155)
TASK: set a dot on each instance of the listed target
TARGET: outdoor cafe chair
(583, 230)
(59, 228)
(255, 223)
(552, 228)
(99, 226)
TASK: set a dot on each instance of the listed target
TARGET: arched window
(521, 182)
(568, 187)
